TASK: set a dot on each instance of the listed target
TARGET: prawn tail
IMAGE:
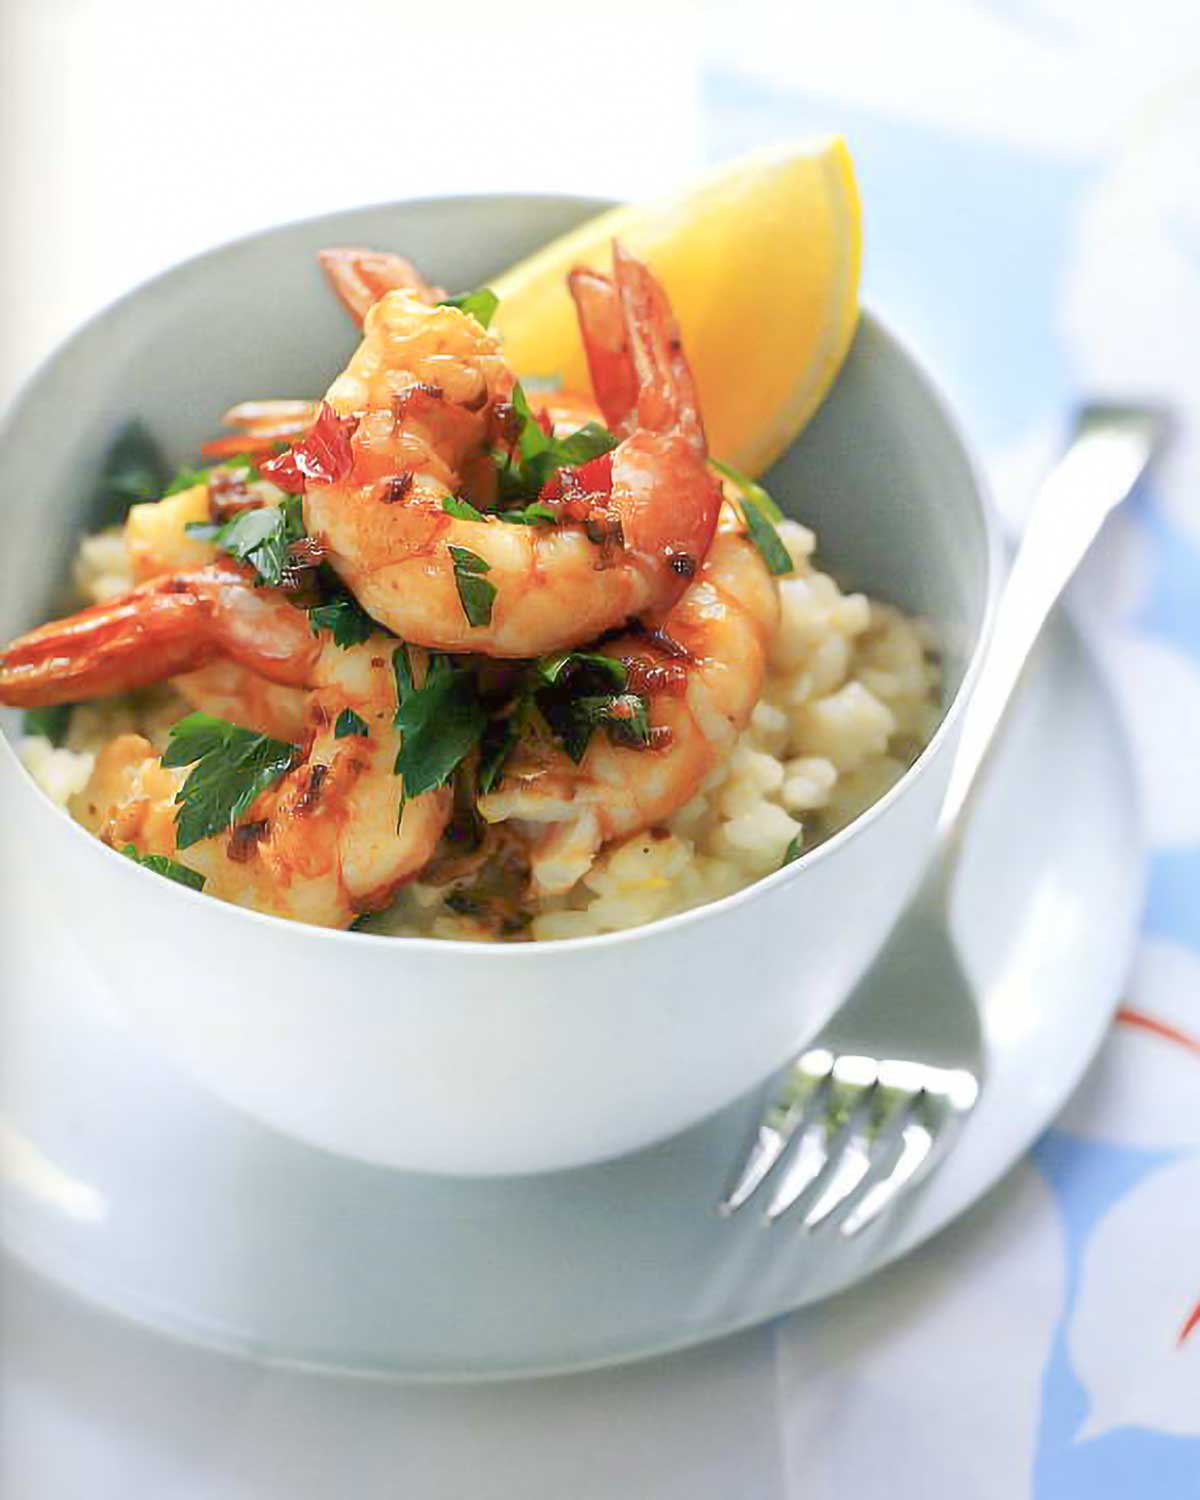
(115, 647)
(667, 401)
(360, 278)
(260, 427)
(174, 624)
(602, 332)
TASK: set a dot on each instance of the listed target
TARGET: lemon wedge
(761, 263)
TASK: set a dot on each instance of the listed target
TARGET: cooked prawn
(320, 846)
(425, 389)
(701, 672)
(173, 624)
(157, 542)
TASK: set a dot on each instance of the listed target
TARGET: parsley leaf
(440, 722)
(539, 457)
(793, 851)
(52, 722)
(348, 722)
(764, 536)
(344, 618)
(583, 691)
(161, 865)
(133, 470)
(533, 514)
(497, 743)
(481, 303)
(749, 487)
(551, 668)
(455, 505)
(574, 719)
(231, 767)
(261, 537)
(475, 593)
(185, 479)
(760, 513)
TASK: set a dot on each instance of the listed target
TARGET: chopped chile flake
(311, 794)
(395, 489)
(650, 677)
(604, 531)
(307, 552)
(506, 422)
(244, 840)
(323, 455)
(422, 392)
(229, 494)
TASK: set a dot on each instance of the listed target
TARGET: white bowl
(441, 1056)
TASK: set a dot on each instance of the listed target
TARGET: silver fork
(847, 1131)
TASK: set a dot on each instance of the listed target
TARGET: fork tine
(853, 1164)
(789, 1111)
(916, 1150)
(809, 1161)
(768, 1147)
(845, 1104)
(936, 1109)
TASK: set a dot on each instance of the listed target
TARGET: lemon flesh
(761, 262)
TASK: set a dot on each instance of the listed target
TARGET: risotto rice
(852, 695)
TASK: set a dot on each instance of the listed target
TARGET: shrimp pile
(423, 738)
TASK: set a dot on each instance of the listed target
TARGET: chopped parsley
(538, 456)
(582, 691)
(51, 722)
(185, 479)
(133, 470)
(567, 663)
(344, 618)
(450, 715)
(161, 865)
(764, 536)
(481, 304)
(750, 488)
(475, 593)
(760, 514)
(231, 767)
(440, 722)
(575, 717)
(261, 537)
(576, 693)
(793, 851)
(533, 514)
(348, 722)
(463, 510)
(498, 741)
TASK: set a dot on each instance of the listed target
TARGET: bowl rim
(472, 949)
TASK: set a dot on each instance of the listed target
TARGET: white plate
(147, 1196)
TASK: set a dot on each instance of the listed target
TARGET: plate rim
(918, 1228)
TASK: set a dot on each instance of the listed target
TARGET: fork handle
(1107, 455)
